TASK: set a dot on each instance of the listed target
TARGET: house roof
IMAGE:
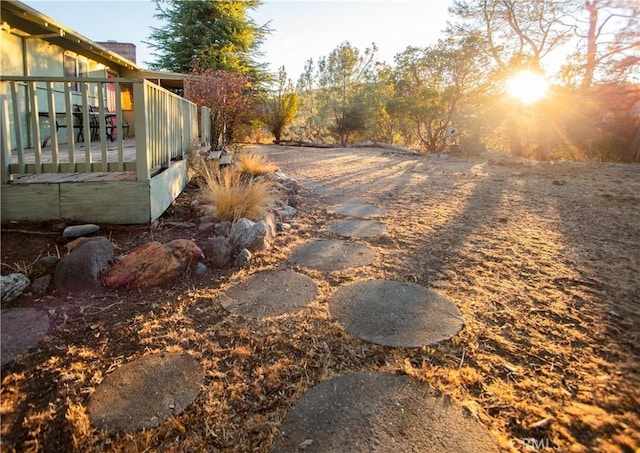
(29, 22)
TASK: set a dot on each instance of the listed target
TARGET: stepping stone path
(354, 207)
(379, 412)
(271, 293)
(143, 393)
(357, 228)
(332, 255)
(21, 329)
(395, 313)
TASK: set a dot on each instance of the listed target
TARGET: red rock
(154, 264)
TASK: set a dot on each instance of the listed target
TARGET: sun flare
(527, 86)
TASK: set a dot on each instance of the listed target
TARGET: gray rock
(262, 235)
(222, 228)
(293, 201)
(45, 265)
(41, 284)
(284, 227)
(206, 219)
(277, 176)
(217, 251)
(79, 271)
(287, 212)
(243, 258)
(241, 235)
(253, 236)
(12, 286)
(76, 231)
(291, 184)
(201, 269)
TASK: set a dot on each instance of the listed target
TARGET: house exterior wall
(42, 59)
(11, 61)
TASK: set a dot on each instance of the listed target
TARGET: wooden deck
(127, 181)
(46, 159)
(96, 196)
(46, 156)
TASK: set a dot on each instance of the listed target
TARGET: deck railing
(34, 108)
(205, 126)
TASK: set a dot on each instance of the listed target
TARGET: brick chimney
(125, 49)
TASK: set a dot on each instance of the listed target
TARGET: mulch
(541, 260)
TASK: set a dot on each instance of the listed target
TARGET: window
(75, 67)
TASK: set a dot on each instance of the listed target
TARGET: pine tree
(219, 34)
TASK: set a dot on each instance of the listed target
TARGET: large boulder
(80, 270)
(12, 286)
(154, 264)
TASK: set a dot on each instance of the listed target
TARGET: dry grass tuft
(234, 196)
(253, 164)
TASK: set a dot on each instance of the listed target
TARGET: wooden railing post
(140, 103)
(53, 128)
(35, 121)
(5, 140)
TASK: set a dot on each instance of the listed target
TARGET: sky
(302, 29)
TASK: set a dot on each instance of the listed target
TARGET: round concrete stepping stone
(21, 330)
(379, 412)
(332, 255)
(395, 313)
(143, 393)
(355, 207)
(270, 293)
(357, 228)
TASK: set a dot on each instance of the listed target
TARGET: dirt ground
(542, 260)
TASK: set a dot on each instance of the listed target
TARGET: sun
(527, 87)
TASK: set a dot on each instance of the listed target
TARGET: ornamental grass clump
(253, 164)
(232, 195)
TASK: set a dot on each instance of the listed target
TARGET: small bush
(253, 164)
(233, 195)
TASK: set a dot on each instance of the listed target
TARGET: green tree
(307, 119)
(219, 34)
(281, 106)
(431, 84)
(341, 76)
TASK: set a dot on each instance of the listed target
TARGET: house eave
(37, 25)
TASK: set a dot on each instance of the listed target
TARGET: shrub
(233, 195)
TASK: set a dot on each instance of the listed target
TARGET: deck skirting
(113, 201)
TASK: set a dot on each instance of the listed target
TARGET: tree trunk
(592, 37)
